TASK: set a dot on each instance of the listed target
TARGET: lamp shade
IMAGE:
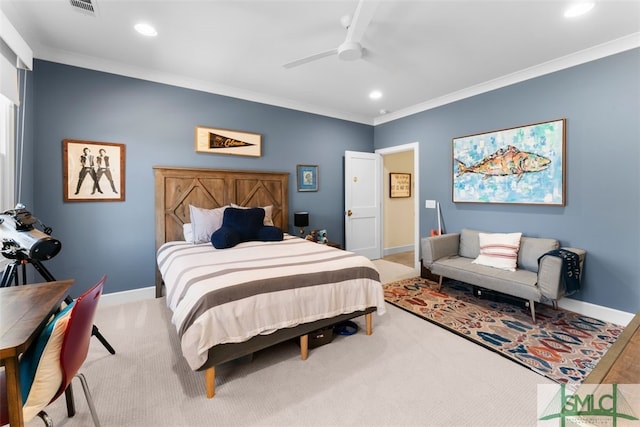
(301, 219)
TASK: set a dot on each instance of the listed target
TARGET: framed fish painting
(226, 141)
(520, 165)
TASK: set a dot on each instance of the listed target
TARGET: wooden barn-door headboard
(178, 187)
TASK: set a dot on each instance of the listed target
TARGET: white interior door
(362, 201)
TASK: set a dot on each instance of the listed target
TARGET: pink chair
(77, 322)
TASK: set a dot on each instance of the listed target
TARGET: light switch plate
(430, 204)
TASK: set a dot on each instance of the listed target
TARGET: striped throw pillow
(499, 250)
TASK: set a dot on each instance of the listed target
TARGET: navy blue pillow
(243, 225)
(238, 225)
(269, 233)
(245, 222)
(224, 237)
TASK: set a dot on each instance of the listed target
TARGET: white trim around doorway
(415, 147)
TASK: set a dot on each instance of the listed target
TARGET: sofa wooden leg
(554, 304)
(532, 307)
(440, 283)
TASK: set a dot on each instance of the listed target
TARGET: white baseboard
(607, 314)
(397, 250)
(116, 298)
(617, 317)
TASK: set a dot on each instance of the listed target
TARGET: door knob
(349, 213)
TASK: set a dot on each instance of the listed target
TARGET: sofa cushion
(499, 250)
(519, 283)
(532, 248)
(469, 244)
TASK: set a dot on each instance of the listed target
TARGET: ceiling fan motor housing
(350, 51)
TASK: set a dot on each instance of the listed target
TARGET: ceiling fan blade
(310, 58)
(361, 19)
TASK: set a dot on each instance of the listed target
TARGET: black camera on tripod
(25, 244)
(21, 240)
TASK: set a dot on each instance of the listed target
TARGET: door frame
(415, 147)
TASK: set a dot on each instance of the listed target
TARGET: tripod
(10, 274)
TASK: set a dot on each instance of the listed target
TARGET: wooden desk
(24, 311)
(619, 365)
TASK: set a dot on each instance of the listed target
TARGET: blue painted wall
(157, 124)
(601, 102)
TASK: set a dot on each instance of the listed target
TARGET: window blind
(14, 54)
(8, 74)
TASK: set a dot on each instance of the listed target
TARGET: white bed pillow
(204, 222)
(187, 232)
(499, 250)
(268, 210)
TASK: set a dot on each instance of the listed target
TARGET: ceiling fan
(350, 49)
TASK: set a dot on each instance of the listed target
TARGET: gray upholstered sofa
(451, 256)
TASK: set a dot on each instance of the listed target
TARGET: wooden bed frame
(178, 187)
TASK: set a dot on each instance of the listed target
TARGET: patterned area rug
(561, 345)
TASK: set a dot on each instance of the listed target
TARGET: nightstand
(334, 245)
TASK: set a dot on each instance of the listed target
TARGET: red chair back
(77, 336)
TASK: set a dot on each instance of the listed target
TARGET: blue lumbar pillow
(243, 225)
(269, 234)
(245, 222)
(225, 237)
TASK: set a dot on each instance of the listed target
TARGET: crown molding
(622, 44)
(47, 53)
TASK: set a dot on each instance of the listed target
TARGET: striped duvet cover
(230, 295)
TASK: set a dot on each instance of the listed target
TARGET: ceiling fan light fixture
(578, 9)
(345, 21)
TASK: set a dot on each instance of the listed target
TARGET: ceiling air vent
(85, 6)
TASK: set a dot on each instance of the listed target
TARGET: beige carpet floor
(408, 373)
(392, 271)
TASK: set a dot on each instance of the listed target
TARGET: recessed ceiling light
(146, 29)
(578, 9)
(375, 94)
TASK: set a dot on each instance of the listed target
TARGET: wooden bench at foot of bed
(210, 372)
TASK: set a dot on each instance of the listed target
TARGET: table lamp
(301, 219)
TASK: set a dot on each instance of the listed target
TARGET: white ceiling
(420, 54)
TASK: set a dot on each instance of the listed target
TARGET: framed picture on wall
(93, 171)
(307, 177)
(399, 185)
(227, 141)
(520, 165)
